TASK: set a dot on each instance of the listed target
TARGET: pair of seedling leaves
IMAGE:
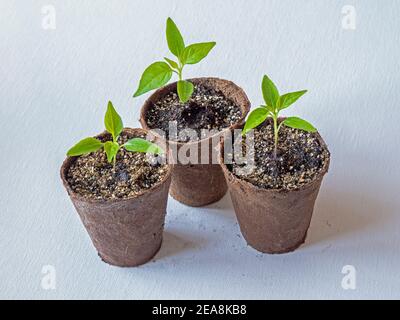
(274, 104)
(114, 126)
(159, 73)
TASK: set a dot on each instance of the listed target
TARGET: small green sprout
(114, 126)
(274, 103)
(159, 73)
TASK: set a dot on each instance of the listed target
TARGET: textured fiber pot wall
(199, 184)
(272, 221)
(125, 232)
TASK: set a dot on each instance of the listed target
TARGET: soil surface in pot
(300, 157)
(206, 109)
(92, 177)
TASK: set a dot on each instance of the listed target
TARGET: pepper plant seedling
(114, 126)
(159, 73)
(274, 103)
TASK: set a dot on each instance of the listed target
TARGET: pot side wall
(274, 223)
(126, 233)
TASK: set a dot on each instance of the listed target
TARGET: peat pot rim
(163, 91)
(70, 160)
(231, 178)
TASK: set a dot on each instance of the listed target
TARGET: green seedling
(159, 73)
(114, 126)
(275, 103)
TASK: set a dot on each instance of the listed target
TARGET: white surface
(53, 91)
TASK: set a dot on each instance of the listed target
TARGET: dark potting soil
(92, 177)
(300, 157)
(206, 109)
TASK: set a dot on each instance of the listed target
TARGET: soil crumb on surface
(300, 157)
(92, 177)
(206, 109)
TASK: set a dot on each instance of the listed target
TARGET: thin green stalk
(275, 118)
(180, 73)
(180, 68)
(115, 157)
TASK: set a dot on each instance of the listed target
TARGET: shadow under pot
(123, 208)
(273, 197)
(216, 105)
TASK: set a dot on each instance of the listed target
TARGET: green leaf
(113, 121)
(111, 148)
(298, 123)
(172, 63)
(196, 52)
(155, 76)
(185, 90)
(174, 38)
(85, 146)
(256, 117)
(270, 92)
(288, 99)
(142, 145)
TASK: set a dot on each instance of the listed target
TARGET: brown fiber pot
(271, 220)
(199, 184)
(126, 232)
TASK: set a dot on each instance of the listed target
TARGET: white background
(54, 88)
